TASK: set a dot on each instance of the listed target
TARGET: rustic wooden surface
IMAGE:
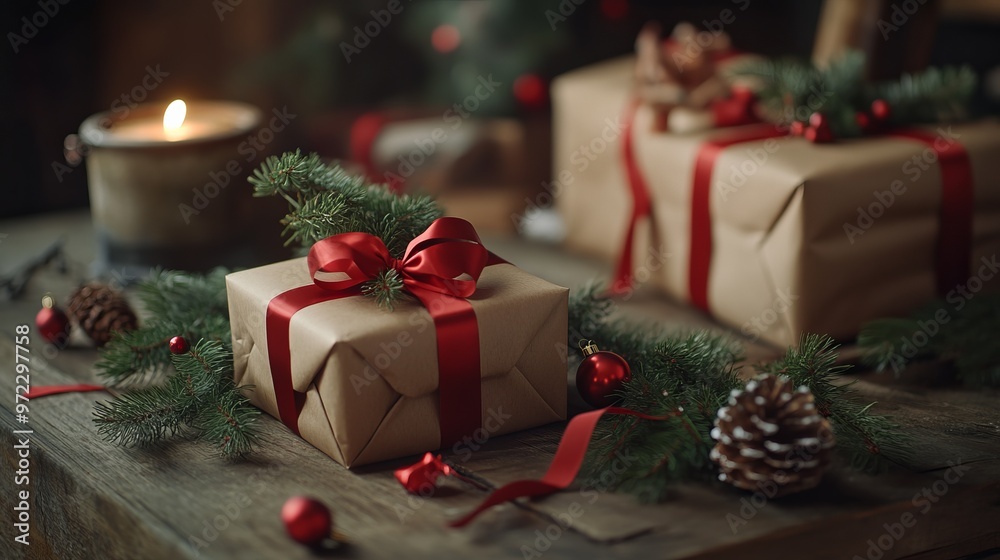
(90, 499)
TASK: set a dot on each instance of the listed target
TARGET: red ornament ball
(306, 520)
(445, 38)
(818, 120)
(881, 109)
(52, 323)
(601, 375)
(179, 345)
(796, 128)
(530, 91)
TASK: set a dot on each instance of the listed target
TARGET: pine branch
(139, 417)
(864, 439)
(959, 330)
(325, 200)
(792, 90)
(200, 396)
(688, 377)
(189, 305)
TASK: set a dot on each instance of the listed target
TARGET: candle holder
(171, 197)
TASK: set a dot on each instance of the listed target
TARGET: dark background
(275, 54)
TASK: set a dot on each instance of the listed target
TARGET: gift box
(772, 234)
(364, 384)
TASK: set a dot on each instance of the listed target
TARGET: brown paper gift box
(356, 412)
(783, 262)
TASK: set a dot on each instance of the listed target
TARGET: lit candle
(161, 181)
(205, 121)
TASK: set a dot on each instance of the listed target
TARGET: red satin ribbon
(440, 268)
(734, 111)
(700, 257)
(44, 391)
(565, 465)
(953, 249)
(954, 243)
(641, 203)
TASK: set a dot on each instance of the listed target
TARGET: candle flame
(173, 117)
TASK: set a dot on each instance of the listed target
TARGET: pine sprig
(864, 440)
(792, 90)
(687, 378)
(959, 330)
(199, 396)
(189, 305)
(325, 200)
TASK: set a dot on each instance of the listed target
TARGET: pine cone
(771, 438)
(100, 310)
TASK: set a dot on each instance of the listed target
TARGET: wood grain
(91, 499)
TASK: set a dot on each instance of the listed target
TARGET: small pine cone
(100, 310)
(771, 438)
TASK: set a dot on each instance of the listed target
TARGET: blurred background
(353, 82)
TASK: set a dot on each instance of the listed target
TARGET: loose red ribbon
(564, 467)
(440, 268)
(46, 390)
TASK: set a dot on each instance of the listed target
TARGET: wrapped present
(479, 351)
(775, 235)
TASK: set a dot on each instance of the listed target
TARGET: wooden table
(91, 499)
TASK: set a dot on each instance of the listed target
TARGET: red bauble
(881, 110)
(306, 519)
(445, 38)
(796, 128)
(52, 323)
(179, 345)
(530, 91)
(601, 375)
(818, 120)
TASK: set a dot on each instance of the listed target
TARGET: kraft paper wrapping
(370, 375)
(783, 262)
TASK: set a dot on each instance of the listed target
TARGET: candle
(167, 183)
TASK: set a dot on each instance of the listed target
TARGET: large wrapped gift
(772, 234)
(459, 363)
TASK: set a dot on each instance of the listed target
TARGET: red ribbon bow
(447, 258)
(440, 268)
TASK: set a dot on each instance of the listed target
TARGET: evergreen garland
(688, 378)
(839, 91)
(959, 330)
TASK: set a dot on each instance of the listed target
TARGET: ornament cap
(589, 347)
(48, 302)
